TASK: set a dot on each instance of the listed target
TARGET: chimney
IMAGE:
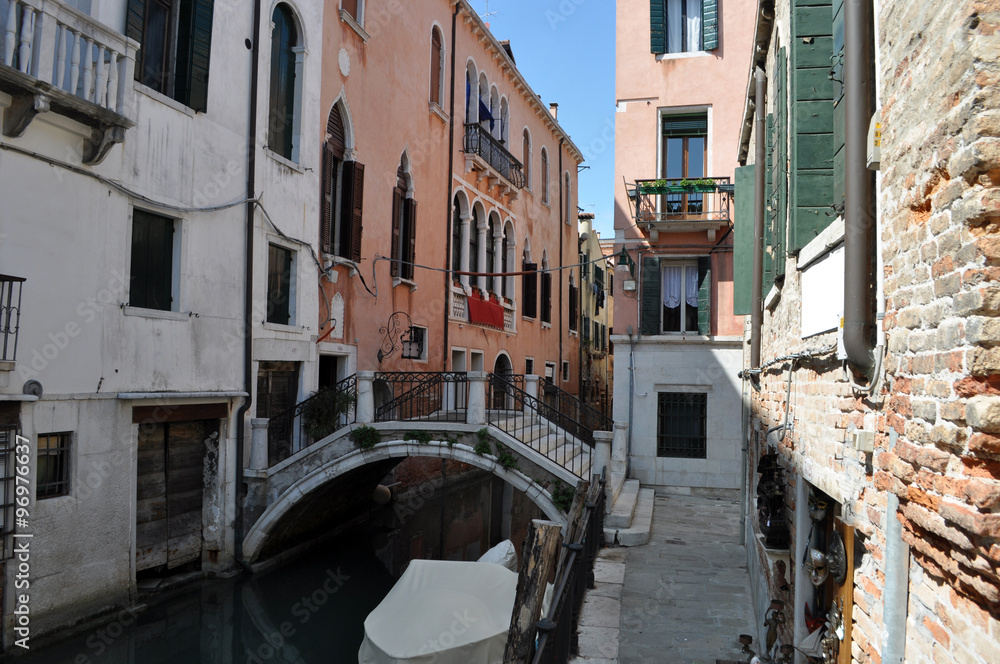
(554, 110)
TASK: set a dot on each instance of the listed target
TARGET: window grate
(8, 440)
(681, 425)
(52, 477)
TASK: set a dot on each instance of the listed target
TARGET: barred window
(53, 465)
(681, 425)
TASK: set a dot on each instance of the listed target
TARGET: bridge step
(637, 532)
(624, 507)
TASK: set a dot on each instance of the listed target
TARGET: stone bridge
(280, 494)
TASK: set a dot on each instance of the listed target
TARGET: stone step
(637, 533)
(565, 453)
(624, 506)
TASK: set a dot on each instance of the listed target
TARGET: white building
(124, 179)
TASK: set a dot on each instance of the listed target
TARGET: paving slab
(686, 594)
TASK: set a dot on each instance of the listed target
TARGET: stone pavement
(684, 598)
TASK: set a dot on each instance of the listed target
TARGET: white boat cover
(502, 554)
(444, 612)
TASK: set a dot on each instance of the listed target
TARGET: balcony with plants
(681, 204)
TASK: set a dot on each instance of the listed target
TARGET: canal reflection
(310, 610)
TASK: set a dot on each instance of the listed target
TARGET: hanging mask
(818, 568)
(817, 508)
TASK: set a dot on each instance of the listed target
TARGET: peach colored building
(680, 80)
(442, 171)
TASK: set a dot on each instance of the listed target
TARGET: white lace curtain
(671, 287)
(677, 20)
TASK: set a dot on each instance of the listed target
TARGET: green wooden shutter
(710, 24)
(410, 237)
(352, 206)
(811, 158)
(652, 306)
(705, 295)
(327, 199)
(837, 72)
(743, 246)
(135, 19)
(194, 46)
(657, 26)
(781, 167)
(768, 262)
(394, 251)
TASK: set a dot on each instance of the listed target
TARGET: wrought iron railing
(558, 638)
(539, 426)
(681, 199)
(439, 397)
(310, 421)
(10, 315)
(575, 416)
(478, 141)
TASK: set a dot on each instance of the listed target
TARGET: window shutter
(743, 242)
(436, 70)
(657, 26)
(573, 309)
(780, 177)
(705, 295)
(397, 209)
(768, 262)
(194, 46)
(710, 24)
(351, 7)
(353, 201)
(138, 276)
(337, 139)
(547, 297)
(529, 285)
(652, 306)
(135, 19)
(327, 202)
(586, 329)
(410, 237)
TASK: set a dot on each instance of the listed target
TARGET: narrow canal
(310, 609)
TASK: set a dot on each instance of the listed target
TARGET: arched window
(491, 255)
(404, 222)
(343, 191)
(546, 308)
(526, 157)
(474, 241)
(286, 84)
(566, 189)
(504, 133)
(545, 176)
(507, 289)
(437, 67)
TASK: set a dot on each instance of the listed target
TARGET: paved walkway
(684, 598)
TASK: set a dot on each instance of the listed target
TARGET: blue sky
(566, 51)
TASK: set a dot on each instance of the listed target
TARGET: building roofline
(506, 64)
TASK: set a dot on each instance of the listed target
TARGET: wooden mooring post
(538, 558)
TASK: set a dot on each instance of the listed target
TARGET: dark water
(310, 610)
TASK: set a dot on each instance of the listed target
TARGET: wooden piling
(538, 557)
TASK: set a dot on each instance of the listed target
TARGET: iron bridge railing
(430, 396)
(311, 420)
(10, 315)
(575, 416)
(480, 142)
(558, 637)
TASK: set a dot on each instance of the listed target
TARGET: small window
(681, 425)
(546, 313)
(680, 292)
(404, 219)
(529, 290)
(574, 306)
(437, 67)
(529, 366)
(565, 371)
(285, 85)
(526, 158)
(52, 478)
(684, 26)
(545, 176)
(415, 344)
(355, 9)
(280, 292)
(566, 193)
(151, 279)
(550, 372)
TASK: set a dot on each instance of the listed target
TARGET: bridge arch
(257, 536)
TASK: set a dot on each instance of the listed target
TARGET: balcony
(669, 204)
(488, 312)
(54, 58)
(10, 316)
(486, 154)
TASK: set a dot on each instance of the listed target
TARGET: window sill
(396, 281)
(164, 99)
(546, 326)
(436, 109)
(278, 327)
(354, 25)
(574, 333)
(284, 161)
(679, 56)
(154, 313)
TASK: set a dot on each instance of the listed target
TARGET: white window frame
(664, 264)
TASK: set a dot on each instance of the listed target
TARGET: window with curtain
(680, 298)
(684, 26)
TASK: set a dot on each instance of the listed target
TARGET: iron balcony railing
(10, 315)
(438, 397)
(309, 421)
(480, 142)
(682, 200)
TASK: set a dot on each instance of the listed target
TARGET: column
(466, 236)
(258, 443)
(497, 266)
(482, 227)
(476, 412)
(365, 408)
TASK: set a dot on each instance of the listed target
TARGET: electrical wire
(818, 352)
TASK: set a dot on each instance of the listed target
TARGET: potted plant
(324, 412)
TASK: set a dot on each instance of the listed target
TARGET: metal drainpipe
(248, 382)
(562, 260)
(446, 359)
(897, 574)
(760, 159)
(858, 216)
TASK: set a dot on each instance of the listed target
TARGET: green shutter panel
(394, 250)
(410, 247)
(705, 295)
(768, 262)
(194, 46)
(657, 26)
(781, 167)
(652, 306)
(743, 246)
(710, 24)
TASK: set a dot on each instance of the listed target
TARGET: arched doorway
(503, 394)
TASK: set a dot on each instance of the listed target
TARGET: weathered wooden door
(277, 389)
(170, 492)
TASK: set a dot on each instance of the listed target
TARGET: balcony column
(466, 236)
(258, 443)
(365, 408)
(482, 227)
(497, 266)
(476, 412)
(531, 389)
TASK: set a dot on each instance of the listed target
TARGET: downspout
(446, 357)
(248, 382)
(562, 259)
(760, 159)
(897, 575)
(858, 216)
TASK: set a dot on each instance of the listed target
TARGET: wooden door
(844, 594)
